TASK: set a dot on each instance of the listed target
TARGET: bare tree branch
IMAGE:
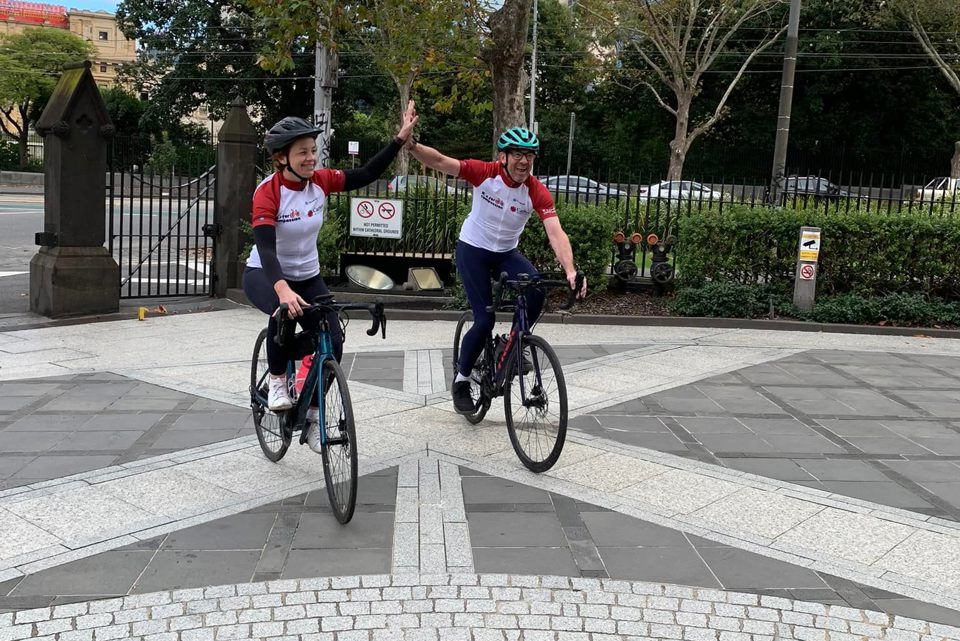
(920, 33)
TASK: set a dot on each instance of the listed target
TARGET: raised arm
(433, 159)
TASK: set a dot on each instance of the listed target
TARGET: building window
(103, 67)
(103, 35)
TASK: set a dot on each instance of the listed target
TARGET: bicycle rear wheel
(339, 449)
(481, 401)
(537, 415)
(272, 430)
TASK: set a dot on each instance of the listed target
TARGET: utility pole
(786, 104)
(325, 79)
(573, 120)
(533, 70)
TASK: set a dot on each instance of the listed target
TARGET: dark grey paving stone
(371, 490)
(6, 586)
(511, 530)
(699, 425)
(303, 564)
(39, 422)
(136, 422)
(842, 470)
(97, 440)
(812, 444)
(30, 441)
(10, 465)
(14, 603)
(913, 429)
(396, 384)
(586, 423)
(211, 421)
(185, 439)
(892, 445)
(611, 529)
(34, 389)
(949, 492)
(660, 442)
(112, 572)
(650, 424)
(15, 403)
(942, 446)
(497, 490)
(237, 532)
(777, 426)
(366, 530)
(919, 610)
(149, 544)
(739, 570)
(774, 468)
(740, 399)
(145, 404)
(748, 444)
(663, 564)
(147, 390)
(50, 467)
(175, 569)
(541, 560)
(886, 493)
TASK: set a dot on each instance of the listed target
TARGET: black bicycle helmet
(286, 131)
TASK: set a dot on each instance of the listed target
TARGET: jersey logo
(493, 200)
(291, 216)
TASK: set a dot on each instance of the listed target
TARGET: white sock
(461, 377)
(313, 414)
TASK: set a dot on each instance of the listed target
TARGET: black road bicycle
(535, 401)
(338, 435)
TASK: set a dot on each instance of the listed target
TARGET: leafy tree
(936, 26)
(30, 64)
(196, 52)
(679, 42)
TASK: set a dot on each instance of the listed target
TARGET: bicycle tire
(481, 401)
(339, 451)
(537, 442)
(272, 430)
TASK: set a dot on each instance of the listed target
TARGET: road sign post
(805, 282)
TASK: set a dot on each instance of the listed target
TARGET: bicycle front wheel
(536, 411)
(481, 401)
(272, 430)
(339, 449)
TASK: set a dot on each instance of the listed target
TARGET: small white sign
(353, 147)
(376, 218)
(808, 271)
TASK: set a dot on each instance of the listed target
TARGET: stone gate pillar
(73, 273)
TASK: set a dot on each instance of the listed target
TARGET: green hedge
(864, 252)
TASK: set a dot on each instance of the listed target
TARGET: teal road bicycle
(324, 387)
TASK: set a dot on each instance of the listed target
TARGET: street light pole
(786, 104)
(533, 69)
(325, 79)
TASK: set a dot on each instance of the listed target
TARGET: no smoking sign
(808, 271)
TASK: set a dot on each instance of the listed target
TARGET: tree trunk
(22, 146)
(504, 55)
(680, 143)
(955, 161)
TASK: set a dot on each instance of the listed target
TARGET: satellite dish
(368, 277)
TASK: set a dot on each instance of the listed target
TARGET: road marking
(2, 274)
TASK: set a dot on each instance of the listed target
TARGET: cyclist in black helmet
(289, 207)
(505, 195)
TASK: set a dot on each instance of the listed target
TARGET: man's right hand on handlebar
(572, 278)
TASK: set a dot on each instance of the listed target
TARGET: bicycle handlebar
(524, 280)
(375, 310)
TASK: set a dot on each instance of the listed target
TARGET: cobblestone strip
(461, 606)
(456, 532)
(411, 382)
(438, 376)
(432, 553)
(406, 525)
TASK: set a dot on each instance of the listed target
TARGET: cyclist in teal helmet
(505, 195)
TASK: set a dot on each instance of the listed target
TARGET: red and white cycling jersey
(297, 210)
(501, 207)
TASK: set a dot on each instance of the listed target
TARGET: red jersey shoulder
(266, 201)
(541, 198)
(329, 180)
(476, 171)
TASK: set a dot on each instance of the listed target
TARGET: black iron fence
(156, 227)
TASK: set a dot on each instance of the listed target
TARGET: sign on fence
(810, 244)
(376, 217)
(353, 147)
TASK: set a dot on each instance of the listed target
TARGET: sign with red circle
(808, 271)
(365, 209)
(387, 210)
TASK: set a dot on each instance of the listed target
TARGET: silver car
(679, 190)
(580, 187)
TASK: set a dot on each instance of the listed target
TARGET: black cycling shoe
(526, 365)
(462, 401)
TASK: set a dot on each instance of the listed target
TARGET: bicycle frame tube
(323, 352)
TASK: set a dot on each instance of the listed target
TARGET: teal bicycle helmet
(519, 138)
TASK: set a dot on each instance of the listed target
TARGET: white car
(580, 187)
(401, 184)
(679, 191)
(939, 189)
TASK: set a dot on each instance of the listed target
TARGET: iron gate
(160, 228)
